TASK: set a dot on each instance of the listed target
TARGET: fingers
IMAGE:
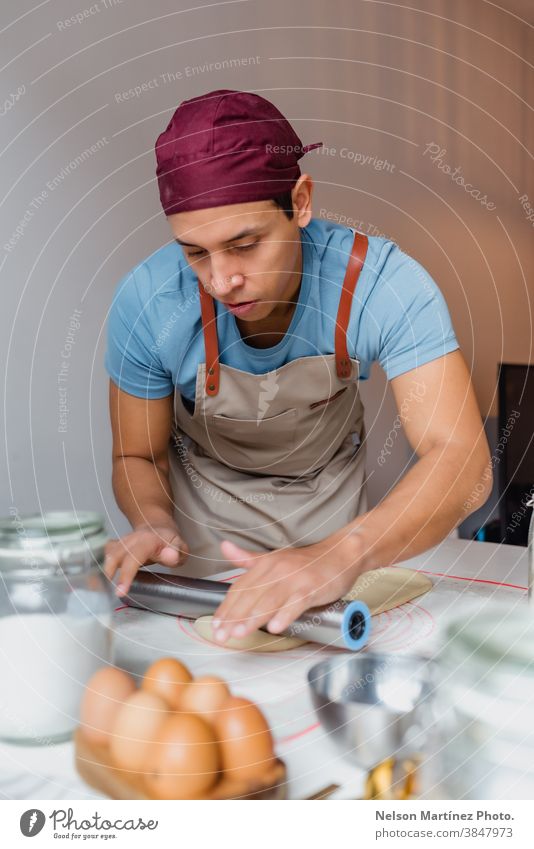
(277, 588)
(241, 592)
(174, 552)
(239, 556)
(239, 620)
(113, 557)
(139, 548)
(272, 609)
(139, 554)
(169, 556)
(273, 594)
(287, 613)
(244, 591)
(129, 568)
(253, 601)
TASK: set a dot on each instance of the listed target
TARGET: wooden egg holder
(95, 766)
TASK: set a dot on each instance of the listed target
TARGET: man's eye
(237, 248)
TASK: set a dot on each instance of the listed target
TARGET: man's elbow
(487, 469)
(159, 460)
(486, 481)
(481, 483)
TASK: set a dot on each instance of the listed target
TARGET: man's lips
(241, 308)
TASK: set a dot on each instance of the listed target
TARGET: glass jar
(483, 734)
(55, 621)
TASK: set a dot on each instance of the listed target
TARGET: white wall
(369, 76)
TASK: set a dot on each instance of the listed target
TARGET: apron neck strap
(211, 345)
(354, 266)
(343, 363)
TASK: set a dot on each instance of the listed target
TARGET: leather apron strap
(352, 273)
(211, 344)
(343, 363)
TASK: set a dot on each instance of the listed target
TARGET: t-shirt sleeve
(405, 318)
(131, 358)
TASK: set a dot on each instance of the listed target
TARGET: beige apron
(274, 459)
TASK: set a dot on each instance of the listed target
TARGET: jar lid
(50, 538)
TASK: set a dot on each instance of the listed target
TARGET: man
(235, 354)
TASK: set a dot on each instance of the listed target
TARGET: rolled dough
(257, 641)
(389, 587)
(380, 589)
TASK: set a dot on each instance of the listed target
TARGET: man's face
(246, 252)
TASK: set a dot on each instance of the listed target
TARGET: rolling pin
(341, 624)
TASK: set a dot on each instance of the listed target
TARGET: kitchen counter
(465, 574)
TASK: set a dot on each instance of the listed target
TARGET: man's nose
(222, 285)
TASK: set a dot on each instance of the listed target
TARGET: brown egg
(166, 677)
(245, 739)
(205, 695)
(135, 728)
(104, 695)
(184, 759)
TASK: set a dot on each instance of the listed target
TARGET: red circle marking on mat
(282, 740)
(473, 580)
(384, 620)
(402, 622)
(418, 612)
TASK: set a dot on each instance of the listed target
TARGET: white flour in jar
(45, 662)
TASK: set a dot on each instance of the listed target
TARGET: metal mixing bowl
(374, 706)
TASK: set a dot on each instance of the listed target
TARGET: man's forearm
(142, 491)
(421, 510)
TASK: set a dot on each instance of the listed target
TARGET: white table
(465, 574)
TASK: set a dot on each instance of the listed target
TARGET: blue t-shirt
(398, 316)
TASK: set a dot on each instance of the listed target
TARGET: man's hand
(280, 585)
(144, 545)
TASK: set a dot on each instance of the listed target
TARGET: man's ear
(301, 195)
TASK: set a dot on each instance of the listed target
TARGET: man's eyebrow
(249, 231)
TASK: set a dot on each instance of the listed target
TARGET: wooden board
(94, 765)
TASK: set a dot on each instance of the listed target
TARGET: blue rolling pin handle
(356, 625)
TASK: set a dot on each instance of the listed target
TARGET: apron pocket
(255, 444)
(328, 400)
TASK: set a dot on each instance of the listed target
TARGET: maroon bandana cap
(226, 147)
